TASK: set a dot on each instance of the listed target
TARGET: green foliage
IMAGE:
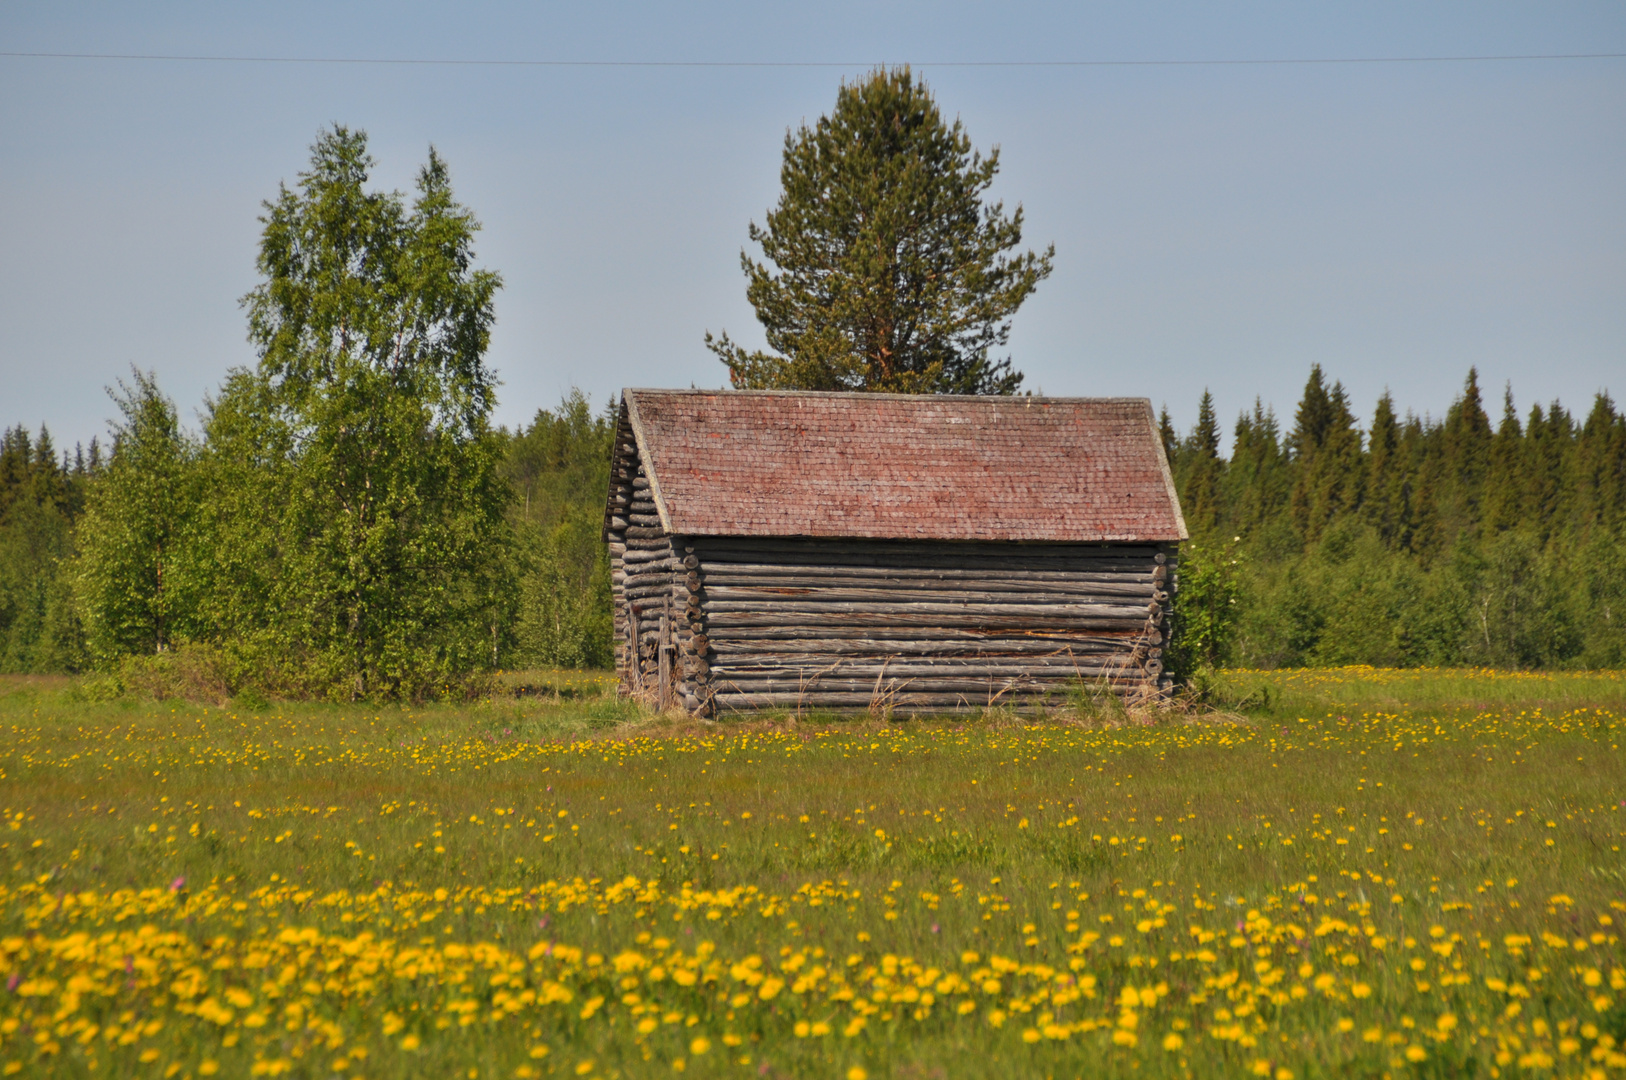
(559, 470)
(339, 529)
(885, 268)
(565, 613)
(135, 593)
(39, 628)
(1205, 618)
(371, 407)
(1418, 542)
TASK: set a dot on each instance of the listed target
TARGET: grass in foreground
(548, 886)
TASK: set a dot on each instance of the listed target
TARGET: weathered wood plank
(767, 574)
(995, 592)
(901, 672)
(1059, 637)
(784, 609)
(1002, 623)
(913, 645)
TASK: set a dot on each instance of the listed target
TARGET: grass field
(1351, 873)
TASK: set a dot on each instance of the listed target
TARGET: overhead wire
(453, 62)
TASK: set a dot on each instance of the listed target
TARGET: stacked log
(849, 622)
(624, 467)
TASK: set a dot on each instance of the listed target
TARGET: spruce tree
(885, 268)
(1601, 467)
(1504, 504)
(1327, 456)
(1466, 447)
(1257, 481)
(1200, 469)
(1550, 495)
(1388, 476)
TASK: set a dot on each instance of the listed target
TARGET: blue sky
(1220, 227)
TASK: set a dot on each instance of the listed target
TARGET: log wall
(912, 624)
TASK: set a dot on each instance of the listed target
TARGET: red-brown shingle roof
(777, 463)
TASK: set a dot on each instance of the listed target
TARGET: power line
(404, 61)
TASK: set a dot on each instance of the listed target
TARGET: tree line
(132, 555)
(1459, 539)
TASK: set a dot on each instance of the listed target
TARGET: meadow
(1347, 872)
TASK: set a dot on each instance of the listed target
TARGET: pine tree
(885, 268)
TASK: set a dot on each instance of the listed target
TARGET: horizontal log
(944, 556)
(644, 520)
(739, 701)
(977, 691)
(869, 672)
(783, 609)
(842, 661)
(654, 554)
(867, 546)
(660, 543)
(770, 574)
(942, 703)
(916, 591)
(827, 650)
(640, 483)
(928, 561)
(642, 532)
(1057, 638)
(996, 624)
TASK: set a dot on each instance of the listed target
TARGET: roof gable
(783, 463)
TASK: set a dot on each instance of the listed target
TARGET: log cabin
(802, 550)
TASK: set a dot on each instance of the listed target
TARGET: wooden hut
(773, 549)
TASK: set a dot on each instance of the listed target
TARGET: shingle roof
(779, 463)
